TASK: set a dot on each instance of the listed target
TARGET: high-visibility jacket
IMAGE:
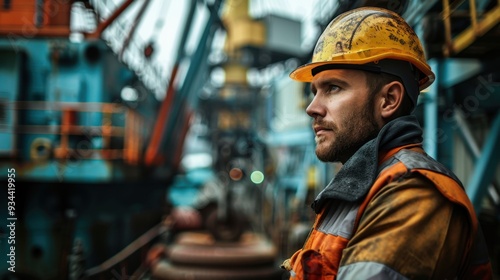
(382, 237)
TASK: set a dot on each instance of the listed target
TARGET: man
(391, 212)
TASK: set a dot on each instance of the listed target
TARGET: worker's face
(343, 113)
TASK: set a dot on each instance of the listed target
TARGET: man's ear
(391, 99)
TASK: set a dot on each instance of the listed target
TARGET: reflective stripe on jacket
(380, 238)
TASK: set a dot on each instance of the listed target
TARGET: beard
(355, 130)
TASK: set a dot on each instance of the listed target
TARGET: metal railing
(131, 129)
(480, 23)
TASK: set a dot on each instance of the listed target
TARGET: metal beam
(473, 147)
(197, 64)
(469, 35)
(457, 70)
(466, 134)
(485, 166)
(431, 112)
(105, 24)
(135, 23)
(417, 10)
(152, 155)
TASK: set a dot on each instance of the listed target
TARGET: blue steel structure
(461, 109)
(63, 110)
(95, 167)
(466, 84)
(78, 145)
(75, 145)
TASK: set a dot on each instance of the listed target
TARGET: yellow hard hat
(364, 37)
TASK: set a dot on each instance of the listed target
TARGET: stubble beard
(356, 130)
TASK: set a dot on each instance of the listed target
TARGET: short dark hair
(376, 81)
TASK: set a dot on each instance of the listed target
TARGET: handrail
(133, 247)
(132, 131)
(478, 26)
(75, 106)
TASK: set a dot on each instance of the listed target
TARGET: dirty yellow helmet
(369, 39)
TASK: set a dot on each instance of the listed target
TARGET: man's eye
(333, 88)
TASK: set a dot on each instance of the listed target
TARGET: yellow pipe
(447, 27)
(473, 14)
(467, 37)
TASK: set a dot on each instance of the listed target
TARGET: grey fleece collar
(356, 177)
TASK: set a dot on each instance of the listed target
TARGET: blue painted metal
(457, 70)
(472, 146)
(486, 166)
(60, 198)
(185, 188)
(181, 50)
(466, 134)
(10, 68)
(446, 132)
(104, 202)
(56, 71)
(431, 129)
(198, 64)
(418, 9)
(160, 133)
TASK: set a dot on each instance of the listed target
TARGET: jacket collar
(355, 178)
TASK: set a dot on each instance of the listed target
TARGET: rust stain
(338, 47)
(355, 29)
(393, 37)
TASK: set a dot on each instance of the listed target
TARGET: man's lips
(319, 129)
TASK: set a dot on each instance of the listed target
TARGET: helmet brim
(304, 73)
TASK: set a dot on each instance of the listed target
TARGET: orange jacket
(402, 229)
